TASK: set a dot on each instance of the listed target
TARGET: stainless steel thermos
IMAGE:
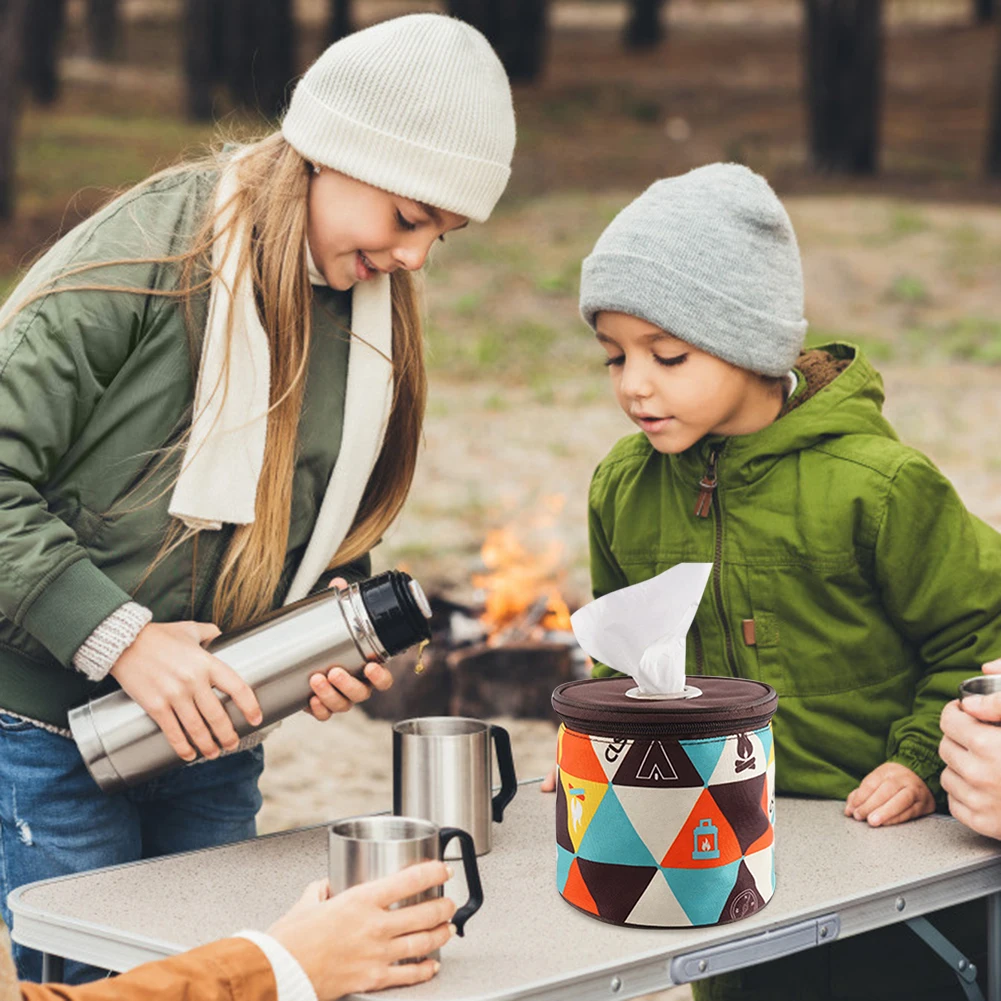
(376, 619)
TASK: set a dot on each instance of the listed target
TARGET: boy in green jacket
(846, 571)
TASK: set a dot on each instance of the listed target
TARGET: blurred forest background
(872, 118)
(877, 121)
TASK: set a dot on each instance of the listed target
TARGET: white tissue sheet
(640, 630)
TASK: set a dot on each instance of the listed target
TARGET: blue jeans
(55, 821)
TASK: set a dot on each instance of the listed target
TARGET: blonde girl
(211, 397)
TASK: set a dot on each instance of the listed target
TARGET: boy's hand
(549, 782)
(994, 667)
(971, 751)
(888, 795)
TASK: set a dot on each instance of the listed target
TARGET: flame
(517, 579)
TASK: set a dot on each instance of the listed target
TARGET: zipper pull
(706, 486)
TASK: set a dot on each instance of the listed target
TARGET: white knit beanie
(710, 257)
(418, 105)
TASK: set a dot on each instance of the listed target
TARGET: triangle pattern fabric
(654, 813)
(704, 754)
(743, 756)
(741, 805)
(564, 860)
(657, 764)
(577, 758)
(611, 838)
(659, 907)
(562, 821)
(575, 890)
(767, 742)
(702, 893)
(761, 865)
(716, 845)
(610, 753)
(770, 812)
(583, 799)
(615, 888)
(744, 898)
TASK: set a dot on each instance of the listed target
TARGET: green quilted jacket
(847, 574)
(93, 385)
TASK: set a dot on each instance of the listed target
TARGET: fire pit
(503, 658)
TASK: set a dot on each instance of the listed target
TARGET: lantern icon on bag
(706, 840)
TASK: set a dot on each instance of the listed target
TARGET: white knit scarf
(225, 451)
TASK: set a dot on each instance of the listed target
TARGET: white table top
(526, 941)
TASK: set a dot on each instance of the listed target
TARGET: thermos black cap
(399, 620)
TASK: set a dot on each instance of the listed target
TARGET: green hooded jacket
(847, 574)
(93, 387)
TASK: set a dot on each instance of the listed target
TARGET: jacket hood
(852, 403)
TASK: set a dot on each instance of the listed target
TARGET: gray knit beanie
(418, 105)
(710, 257)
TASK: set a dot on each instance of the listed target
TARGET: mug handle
(475, 901)
(505, 762)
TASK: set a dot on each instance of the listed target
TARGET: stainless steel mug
(367, 848)
(982, 684)
(443, 772)
(376, 619)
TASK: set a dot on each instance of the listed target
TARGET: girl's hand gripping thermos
(122, 745)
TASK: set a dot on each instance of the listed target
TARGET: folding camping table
(836, 878)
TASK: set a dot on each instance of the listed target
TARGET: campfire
(505, 655)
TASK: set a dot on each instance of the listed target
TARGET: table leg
(994, 947)
(52, 968)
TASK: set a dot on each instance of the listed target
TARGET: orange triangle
(679, 855)
(577, 758)
(576, 890)
(766, 840)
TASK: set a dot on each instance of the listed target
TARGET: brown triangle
(740, 803)
(616, 889)
(657, 764)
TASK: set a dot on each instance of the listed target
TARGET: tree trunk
(994, 133)
(517, 29)
(12, 17)
(844, 77)
(43, 29)
(984, 10)
(644, 29)
(103, 28)
(204, 55)
(260, 36)
(341, 22)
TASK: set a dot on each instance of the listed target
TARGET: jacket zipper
(709, 500)
(707, 485)
(697, 640)
(704, 728)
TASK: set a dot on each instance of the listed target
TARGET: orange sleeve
(232, 969)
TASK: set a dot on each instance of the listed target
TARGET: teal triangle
(564, 860)
(702, 892)
(705, 755)
(611, 838)
(766, 740)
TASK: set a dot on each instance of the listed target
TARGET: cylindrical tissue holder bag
(665, 808)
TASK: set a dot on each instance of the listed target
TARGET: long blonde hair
(271, 202)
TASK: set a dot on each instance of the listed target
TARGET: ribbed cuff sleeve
(102, 648)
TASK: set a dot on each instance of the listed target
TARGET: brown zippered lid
(726, 706)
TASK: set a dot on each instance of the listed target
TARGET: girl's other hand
(549, 782)
(337, 691)
(889, 795)
(994, 667)
(351, 942)
(168, 672)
